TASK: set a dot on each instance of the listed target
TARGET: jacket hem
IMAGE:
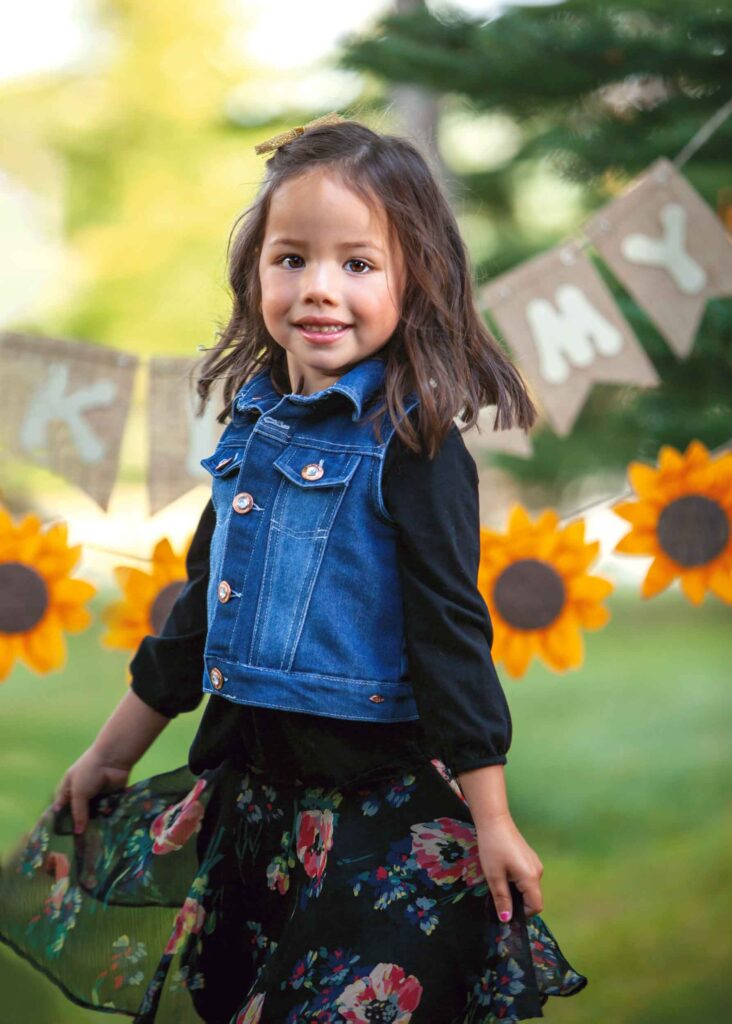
(311, 693)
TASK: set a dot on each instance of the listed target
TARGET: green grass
(618, 776)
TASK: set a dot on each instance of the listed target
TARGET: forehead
(318, 204)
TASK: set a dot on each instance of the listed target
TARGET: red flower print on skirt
(176, 824)
(314, 840)
(386, 994)
(57, 864)
(447, 850)
(188, 921)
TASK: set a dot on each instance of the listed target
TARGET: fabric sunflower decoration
(683, 520)
(38, 599)
(534, 580)
(148, 597)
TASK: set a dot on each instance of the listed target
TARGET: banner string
(705, 132)
(628, 492)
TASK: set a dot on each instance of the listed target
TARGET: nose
(318, 283)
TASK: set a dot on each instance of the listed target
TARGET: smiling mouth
(323, 332)
(322, 328)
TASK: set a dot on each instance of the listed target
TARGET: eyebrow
(344, 245)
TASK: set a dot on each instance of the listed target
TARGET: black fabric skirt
(237, 897)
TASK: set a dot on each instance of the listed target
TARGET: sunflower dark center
(693, 530)
(529, 594)
(163, 603)
(23, 597)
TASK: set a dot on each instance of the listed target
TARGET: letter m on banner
(566, 331)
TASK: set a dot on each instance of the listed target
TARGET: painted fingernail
(505, 915)
(78, 829)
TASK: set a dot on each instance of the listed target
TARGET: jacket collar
(358, 385)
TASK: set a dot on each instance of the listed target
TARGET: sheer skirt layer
(236, 897)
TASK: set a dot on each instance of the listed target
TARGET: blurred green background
(122, 169)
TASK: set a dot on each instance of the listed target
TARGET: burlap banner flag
(178, 438)
(566, 331)
(668, 248)
(484, 438)
(64, 405)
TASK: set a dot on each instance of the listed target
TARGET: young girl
(340, 845)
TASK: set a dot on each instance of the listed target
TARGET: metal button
(376, 698)
(243, 502)
(312, 471)
(220, 465)
(224, 591)
(217, 678)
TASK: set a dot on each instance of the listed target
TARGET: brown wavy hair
(441, 348)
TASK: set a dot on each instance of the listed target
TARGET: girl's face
(325, 255)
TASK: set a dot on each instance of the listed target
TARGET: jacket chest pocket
(224, 467)
(312, 486)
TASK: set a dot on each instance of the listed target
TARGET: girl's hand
(506, 856)
(85, 778)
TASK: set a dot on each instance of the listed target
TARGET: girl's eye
(283, 258)
(362, 262)
(292, 256)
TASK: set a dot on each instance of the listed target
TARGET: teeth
(323, 328)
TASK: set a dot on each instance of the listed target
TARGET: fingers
(66, 793)
(530, 889)
(79, 811)
(501, 897)
(63, 793)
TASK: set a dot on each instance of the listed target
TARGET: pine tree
(598, 89)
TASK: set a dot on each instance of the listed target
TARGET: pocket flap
(223, 461)
(337, 467)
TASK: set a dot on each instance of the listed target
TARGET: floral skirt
(234, 898)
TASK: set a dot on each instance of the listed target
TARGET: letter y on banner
(668, 248)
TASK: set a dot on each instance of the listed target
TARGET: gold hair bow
(279, 140)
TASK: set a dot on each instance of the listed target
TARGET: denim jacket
(304, 600)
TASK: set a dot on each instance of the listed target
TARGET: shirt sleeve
(463, 710)
(167, 670)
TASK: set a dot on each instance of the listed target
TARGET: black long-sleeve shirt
(464, 716)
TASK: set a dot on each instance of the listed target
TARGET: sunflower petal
(643, 479)
(593, 616)
(696, 453)
(639, 513)
(74, 618)
(7, 657)
(660, 574)
(71, 591)
(589, 588)
(693, 584)
(44, 647)
(637, 543)
(720, 583)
